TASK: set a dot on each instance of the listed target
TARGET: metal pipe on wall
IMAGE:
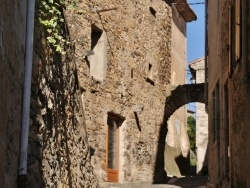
(30, 14)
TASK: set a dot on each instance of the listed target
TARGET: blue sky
(195, 38)
(195, 32)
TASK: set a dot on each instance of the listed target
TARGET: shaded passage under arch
(179, 96)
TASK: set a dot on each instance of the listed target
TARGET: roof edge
(185, 10)
(196, 60)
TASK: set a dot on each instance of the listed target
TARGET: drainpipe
(244, 41)
(206, 54)
(22, 171)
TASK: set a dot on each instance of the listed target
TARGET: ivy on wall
(50, 15)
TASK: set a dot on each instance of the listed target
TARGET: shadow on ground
(189, 182)
(172, 182)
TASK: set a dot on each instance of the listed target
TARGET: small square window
(152, 11)
(150, 72)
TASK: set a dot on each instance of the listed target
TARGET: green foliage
(192, 162)
(50, 15)
(191, 123)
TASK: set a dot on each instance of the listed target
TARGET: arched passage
(184, 94)
(179, 96)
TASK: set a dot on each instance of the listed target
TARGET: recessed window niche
(98, 61)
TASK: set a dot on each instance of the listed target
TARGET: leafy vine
(50, 15)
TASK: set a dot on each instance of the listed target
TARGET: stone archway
(177, 97)
(183, 94)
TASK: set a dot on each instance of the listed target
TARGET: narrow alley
(102, 94)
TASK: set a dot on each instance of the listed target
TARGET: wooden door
(112, 158)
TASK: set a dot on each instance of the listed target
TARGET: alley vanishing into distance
(99, 94)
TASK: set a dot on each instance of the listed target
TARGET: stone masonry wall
(138, 34)
(201, 127)
(239, 89)
(239, 127)
(214, 71)
(201, 120)
(59, 153)
(12, 49)
(201, 137)
(177, 138)
(235, 123)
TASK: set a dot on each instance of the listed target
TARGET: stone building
(177, 143)
(190, 112)
(228, 70)
(96, 111)
(197, 69)
(58, 150)
(123, 53)
(123, 67)
(12, 34)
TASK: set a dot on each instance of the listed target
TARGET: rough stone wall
(214, 72)
(239, 98)
(12, 48)
(201, 126)
(177, 137)
(136, 36)
(238, 91)
(59, 153)
(201, 119)
(201, 137)
(239, 127)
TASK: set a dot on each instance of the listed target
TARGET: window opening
(98, 59)
(150, 73)
(95, 36)
(226, 132)
(113, 125)
(152, 11)
(112, 143)
(235, 32)
(216, 121)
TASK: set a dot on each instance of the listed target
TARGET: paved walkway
(185, 182)
(189, 182)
